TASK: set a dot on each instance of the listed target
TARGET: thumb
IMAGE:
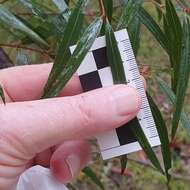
(34, 126)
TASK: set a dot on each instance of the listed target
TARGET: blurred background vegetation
(152, 61)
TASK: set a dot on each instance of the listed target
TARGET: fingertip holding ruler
(95, 72)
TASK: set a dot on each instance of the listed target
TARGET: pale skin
(53, 132)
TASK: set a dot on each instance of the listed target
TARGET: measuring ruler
(95, 72)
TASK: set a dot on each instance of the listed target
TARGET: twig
(102, 9)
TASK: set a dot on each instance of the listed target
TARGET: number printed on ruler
(95, 72)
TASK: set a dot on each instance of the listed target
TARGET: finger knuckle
(11, 143)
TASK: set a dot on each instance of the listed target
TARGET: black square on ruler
(100, 56)
(125, 133)
(90, 81)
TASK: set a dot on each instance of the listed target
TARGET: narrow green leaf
(123, 161)
(114, 56)
(63, 7)
(134, 34)
(71, 187)
(10, 20)
(163, 134)
(2, 94)
(130, 21)
(173, 22)
(89, 173)
(117, 69)
(32, 7)
(173, 30)
(45, 25)
(108, 4)
(82, 48)
(130, 11)
(167, 91)
(153, 27)
(116, 64)
(69, 37)
(138, 132)
(183, 78)
(67, 1)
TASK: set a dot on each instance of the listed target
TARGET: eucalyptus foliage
(51, 28)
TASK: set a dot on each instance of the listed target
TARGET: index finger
(38, 125)
(23, 83)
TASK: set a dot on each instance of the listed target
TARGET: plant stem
(102, 9)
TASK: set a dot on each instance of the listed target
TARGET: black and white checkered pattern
(98, 75)
(94, 73)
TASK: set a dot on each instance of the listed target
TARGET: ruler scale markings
(140, 89)
(149, 127)
(150, 123)
(151, 137)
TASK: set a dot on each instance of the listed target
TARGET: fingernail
(74, 164)
(127, 100)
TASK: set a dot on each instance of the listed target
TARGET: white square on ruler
(88, 65)
(106, 76)
(121, 35)
(108, 140)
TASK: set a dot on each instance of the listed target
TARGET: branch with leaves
(68, 24)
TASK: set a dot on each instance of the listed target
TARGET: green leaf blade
(108, 5)
(134, 34)
(167, 91)
(116, 65)
(63, 8)
(32, 7)
(139, 134)
(153, 27)
(114, 56)
(10, 20)
(82, 48)
(163, 135)
(89, 173)
(130, 21)
(71, 187)
(69, 37)
(61, 5)
(173, 30)
(2, 95)
(129, 13)
(123, 161)
(183, 78)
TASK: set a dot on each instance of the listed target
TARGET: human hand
(53, 132)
